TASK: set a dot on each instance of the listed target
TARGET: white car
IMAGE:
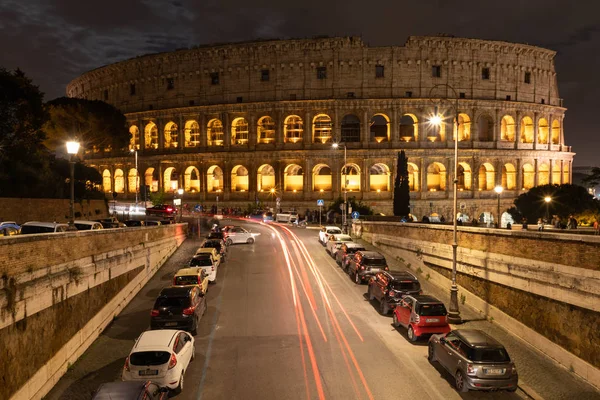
(237, 234)
(33, 227)
(208, 263)
(161, 356)
(326, 231)
(335, 241)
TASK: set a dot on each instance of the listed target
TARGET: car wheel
(250, 240)
(431, 353)
(229, 242)
(383, 307)
(356, 278)
(411, 334)
(512, 390)
(461, 385)
(395, 321)
(179, 387)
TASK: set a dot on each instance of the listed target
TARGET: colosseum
(238, 123)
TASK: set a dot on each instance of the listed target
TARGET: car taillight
(126, 366)
(416, 319)
(391, 293)
(189, 311)
(471, 369)
(199, 281)
(172, 361)
(169, 209)
(154, 313)
(386, 268)
(513, 370)
(362, 267)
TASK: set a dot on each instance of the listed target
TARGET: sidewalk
(539, 376)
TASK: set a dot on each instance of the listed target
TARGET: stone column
(307, 135)
(423, 170)
(365, 187)
(180, 133)
(161, 134)
(336, 132)
(307, 178)
(536, 173)
(203, 130)
(536, 127)
(518, 129)
(226, 131)
(394, 128)
(366, 134)
(142, 131)
(519, 175)
(551, 170)
(496, 127)
(252, 132)
(279, 131)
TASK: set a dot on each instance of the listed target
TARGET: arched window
(322, 129)
(239, 179)
(556, 173)
(293, 129)
(555, 132)
(239, 131)
(151, 179)
(414, 181)
(485, 128)
(526, 130)
(487, 179)
(321, 178)
(265, 178)
(543, 174)
(350, 181)
(119, 181)
(214, 179)
(350, 129)
(465, 176)
(170, 183)
(379, 178)
(191, 180)
(171, 135)
(409, 128)
(543, 131)
(436, 177)
(133, 181)
(528, 176)
(192, 134)
(507, 129)
(509, 177)
(106, 181)
(266, 130)
(380, 128)
(215, 132)
(464, 128)
(151, 136)
(566, 174)
(293, 178)
(134, 141)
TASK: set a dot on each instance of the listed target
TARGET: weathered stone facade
(238, 120)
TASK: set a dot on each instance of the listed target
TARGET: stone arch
(293, 179)
(322, 129)
(543, 174)
(555, 132)
(191, 134)
(350, 181)
(106, 181)
(321, 178)
(265, 178)
(379, 128)
(436, 177)
(507, 129)
(526, 134)
(214, 132)
(350, 129)
(119, 181)
(485, 128)
(566, 173)
(528, 176)
(464, 127)
(133, 182)
(266, 130)
(151, 179)
(214, 179)
(134, 141)
(293, 129)
(543, 131)
(464, 175)
(151, 136)
(171, 135)
(191, 180)
(487, 177)
(414, 180)
(170, 183)
(409, 128)
(379, 177)
(240, 179)
(509, 176)
(239, 131)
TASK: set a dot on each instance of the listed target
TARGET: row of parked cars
(157, 363)
(476, 360)
(10, 228)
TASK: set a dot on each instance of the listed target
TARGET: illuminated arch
(555, 132)
(171, 135)
(464, 128)
(293, 179)
(239, 179)
(543, 174)
(265, 178)
(485, 128)
(266, 130)
(134, 141)
(239, 131)
(487, 176)
(379, 128)
(119, 181)
(322, 127)
(191, 180)
(528, 176)
(106, 181)
(526, 135)
(133, 182)
(465, 176)
(379, 178)
(191, 134)
(543, 131)
(214, 132)
(409, 130)
(414, 180)
(436, 177)
(293, 129)
(350, 129)
(170, 183)
(151, 179)
(321, 178)
(350, 181)
(214, 179)
(151, 136)
(566, 173)
(507, 129)
(509, 176)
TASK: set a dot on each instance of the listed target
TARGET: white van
(87, 225)
(43, 227)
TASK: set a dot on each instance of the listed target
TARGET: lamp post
(547, 199)
(137, 182)
(345, 211)
(498, 189)
(273, 199)
(453, 312)
(180, 193)
(72, 150)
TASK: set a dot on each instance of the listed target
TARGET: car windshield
(186, 280)
(406, 285)
(488, 355)
(213, 245)
(427, 310)
(83, 227)
(172, 302)
(200, 262)
(353, 250)
(25, 229)
(375, 261)
(334, 231)
(149, 358)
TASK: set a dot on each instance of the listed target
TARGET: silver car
(476, 360)
(237, 234)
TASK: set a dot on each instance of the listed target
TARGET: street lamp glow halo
(547, 199)
(72, 147)
(335, 145)
(498, 189)
(435, 120)
(180, 191)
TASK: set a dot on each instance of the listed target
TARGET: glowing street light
(72, 150)
(180, 193)
(547, 199)
(498, 189)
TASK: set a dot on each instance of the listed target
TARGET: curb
(529, 391)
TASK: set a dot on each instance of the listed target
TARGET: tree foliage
(401, 187)
(593, 179)
(357, 205)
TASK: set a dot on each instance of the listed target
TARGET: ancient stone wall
(49, 210)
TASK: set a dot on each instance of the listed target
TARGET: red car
(421, 315)
(162, 210)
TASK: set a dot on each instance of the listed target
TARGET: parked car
(237, 234)
(12, 224)
(133, 390)
(208, 263)
(162, 210)
(389, 288)
(268, 217)
(335, 241)
(163, 356)
(111, 222)
(217, 235)
(43, 227)
(178, 307)
(347, 250)
(191, 276)
(475, 359)
(364, 264)
(133, 223)
(216, 255)
(421, 315)
(9, 228)
(87, 225)
(326, 231)
(217, 244)
(154, 222)
(287, 216)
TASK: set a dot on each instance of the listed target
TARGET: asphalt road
(283, 322)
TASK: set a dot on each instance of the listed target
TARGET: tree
(94, 123)
(401, 188)
(362, 208)
(593, 179)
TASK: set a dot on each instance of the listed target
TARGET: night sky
(55, 41)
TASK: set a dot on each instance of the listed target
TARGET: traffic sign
(355, 215)
(320, 202)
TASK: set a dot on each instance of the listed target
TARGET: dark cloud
(55, 41)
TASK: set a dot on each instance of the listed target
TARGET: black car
(131, 391)
(162, 210)
(133, 222)
(218, 244)
(178, 307)
(364, 264)
(216, 235)
(389, 288)
(345, 252)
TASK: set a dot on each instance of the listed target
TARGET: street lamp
(345, 211)
(547, 199)
(137, 174)
(72, 149)
(180, 193)
(498, 189)
(453, 313)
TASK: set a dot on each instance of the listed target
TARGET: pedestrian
(596, 228)
(540, 224)
(524, 222)
(509, 226)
